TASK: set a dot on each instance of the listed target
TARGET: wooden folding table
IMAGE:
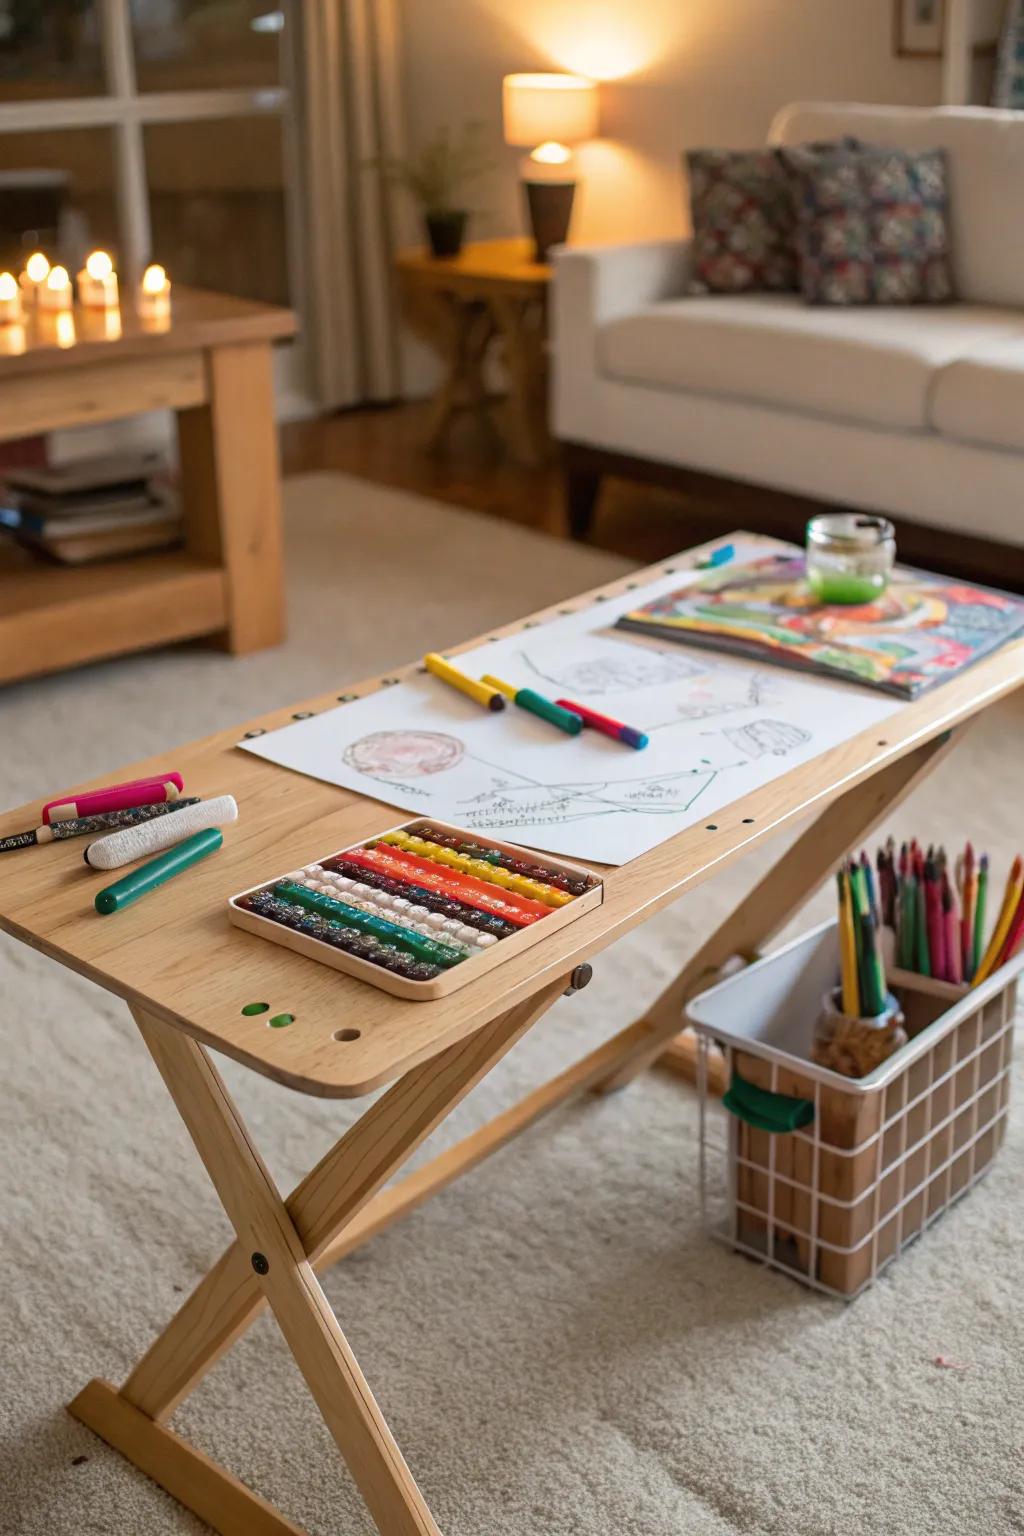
(187, 975)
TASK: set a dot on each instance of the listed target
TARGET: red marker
(116, 797)
(606, 725)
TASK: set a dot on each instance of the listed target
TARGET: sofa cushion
(870, 365)
(985, 152)
(872, 227)
(744, 217)
(980, 398)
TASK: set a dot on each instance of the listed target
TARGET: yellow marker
(1011, 898)
(480, 693)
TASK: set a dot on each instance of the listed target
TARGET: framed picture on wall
(918, 28)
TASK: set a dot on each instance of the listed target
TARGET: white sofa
(915, 411)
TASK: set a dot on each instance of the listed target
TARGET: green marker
(164, 867)
(538, 705)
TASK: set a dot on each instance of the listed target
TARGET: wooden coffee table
(187, 975)
(211, 364)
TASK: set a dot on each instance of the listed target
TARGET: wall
(676, 73)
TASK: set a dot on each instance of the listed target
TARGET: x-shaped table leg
(271, 1261)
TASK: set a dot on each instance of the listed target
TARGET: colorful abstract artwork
(919, 632)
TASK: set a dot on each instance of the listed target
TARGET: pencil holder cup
(855, 1047)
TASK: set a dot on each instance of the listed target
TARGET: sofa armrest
(593, 285)
(596, 283)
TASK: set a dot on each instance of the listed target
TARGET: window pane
(57, 193)
(195, 45)
(217, 205)
(49, 49)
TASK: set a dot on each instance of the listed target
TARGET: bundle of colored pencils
(939, 918)
(862, 970)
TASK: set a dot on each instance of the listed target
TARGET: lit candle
(55, 293)
(10, 300)
(155, 293)
(97, 283)
(37, 270)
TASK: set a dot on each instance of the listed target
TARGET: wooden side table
(493, 291)
(211, 364)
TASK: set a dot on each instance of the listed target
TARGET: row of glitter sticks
(417, 904)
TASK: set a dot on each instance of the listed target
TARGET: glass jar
(850, 556)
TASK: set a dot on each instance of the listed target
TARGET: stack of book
(91, 509)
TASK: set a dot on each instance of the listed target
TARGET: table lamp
(548, 113)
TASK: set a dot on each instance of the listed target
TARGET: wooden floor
(382, 444)
(644, 522)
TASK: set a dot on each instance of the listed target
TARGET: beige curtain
(348, 115)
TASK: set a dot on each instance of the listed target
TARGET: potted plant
(437, 176)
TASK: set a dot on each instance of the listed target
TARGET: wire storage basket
(828, 1177)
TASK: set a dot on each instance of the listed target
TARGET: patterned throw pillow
(744, 218)
(873, 227)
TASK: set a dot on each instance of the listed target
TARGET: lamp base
(550, 208)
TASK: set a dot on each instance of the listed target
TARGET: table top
(480, 267)
(175, 953)
(198, 319)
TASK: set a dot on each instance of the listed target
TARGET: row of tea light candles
(49, 289)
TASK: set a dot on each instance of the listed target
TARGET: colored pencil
(1010, 902)
(970, 897)
(873, 1001)
(847, 949)
(1015, 936)
(951, 921)
(978, 939)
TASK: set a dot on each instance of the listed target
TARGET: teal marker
(164, 867)
(538, 705)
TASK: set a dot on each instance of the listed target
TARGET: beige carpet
(559, 1348)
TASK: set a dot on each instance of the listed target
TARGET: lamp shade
(539, 107)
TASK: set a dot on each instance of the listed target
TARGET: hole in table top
(881, 743)
(712, 826)
(347, 1034)
(748, 821)
(303, 714)
(253, 1008)
(347, 698)
(280, 1020)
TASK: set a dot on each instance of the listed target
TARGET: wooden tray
(449, 980)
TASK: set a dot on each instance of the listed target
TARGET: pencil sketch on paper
(719, 727)
(557, 804)
(762, 736)
(623, 670)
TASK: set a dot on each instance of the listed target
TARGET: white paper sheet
(719, 727)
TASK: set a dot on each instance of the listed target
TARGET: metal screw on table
(580, 978)
(260, 1263)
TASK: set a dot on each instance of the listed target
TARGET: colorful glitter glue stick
(439, 879)
(537, 704)
(164, 867)
(136, 842)
(480, 693)
(472, 885)
(80, 826)
(606, 725)
(377, 927)
(115, 797)
(483, 869)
